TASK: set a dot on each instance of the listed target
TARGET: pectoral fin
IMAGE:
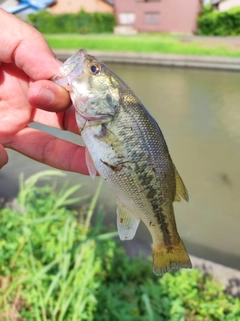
(127, 223)
(112, 140)
(90, 165)
(181, 190)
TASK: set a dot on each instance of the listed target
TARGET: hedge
(215, 23)
(81, 22)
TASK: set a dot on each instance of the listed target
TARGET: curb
(228, 277)
(170, 60)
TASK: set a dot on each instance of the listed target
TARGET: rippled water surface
(199, 114)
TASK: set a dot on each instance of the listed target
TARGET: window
(152, 18)
(126, 18)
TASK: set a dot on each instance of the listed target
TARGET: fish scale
(126, 146)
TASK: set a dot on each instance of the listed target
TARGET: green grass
(55, 266)
(148, 43)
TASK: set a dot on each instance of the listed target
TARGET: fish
(125, 145)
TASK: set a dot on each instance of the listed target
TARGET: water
(198, 112)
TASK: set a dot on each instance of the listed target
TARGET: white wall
(228, 4)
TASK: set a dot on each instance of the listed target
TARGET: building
(166, 16)
(73, 6)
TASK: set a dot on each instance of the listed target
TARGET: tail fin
(165, 259)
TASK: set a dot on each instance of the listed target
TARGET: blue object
(37, 4)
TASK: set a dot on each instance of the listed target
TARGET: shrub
(216, 23)
(82, 22)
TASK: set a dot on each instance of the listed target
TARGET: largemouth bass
(125, 145)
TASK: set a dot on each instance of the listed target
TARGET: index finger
(26, 47)
(63, 120)
(50, 150)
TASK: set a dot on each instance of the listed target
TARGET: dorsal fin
(181, 190)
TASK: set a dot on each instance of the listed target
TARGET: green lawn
(148, 43)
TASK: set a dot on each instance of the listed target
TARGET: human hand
(26, 95)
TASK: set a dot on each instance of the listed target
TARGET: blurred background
(197, 109)
(50, 257)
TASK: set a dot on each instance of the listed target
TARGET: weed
(55, 266)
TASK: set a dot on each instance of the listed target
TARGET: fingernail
(45, 97)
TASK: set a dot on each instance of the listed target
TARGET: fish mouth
(70, 70)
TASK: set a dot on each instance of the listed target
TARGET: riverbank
(170, 60)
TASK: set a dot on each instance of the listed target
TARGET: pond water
(199, 114)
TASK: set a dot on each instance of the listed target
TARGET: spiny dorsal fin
(127, 223)
(181, 190)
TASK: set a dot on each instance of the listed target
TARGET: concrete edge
(228, 277)
(206, 62)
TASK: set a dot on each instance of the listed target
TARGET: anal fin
(127, 223)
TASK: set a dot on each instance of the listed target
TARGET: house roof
(111, 2)
(14, 6)
(38, 4)
(216, 1)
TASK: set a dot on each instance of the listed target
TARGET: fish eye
(95, 69)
